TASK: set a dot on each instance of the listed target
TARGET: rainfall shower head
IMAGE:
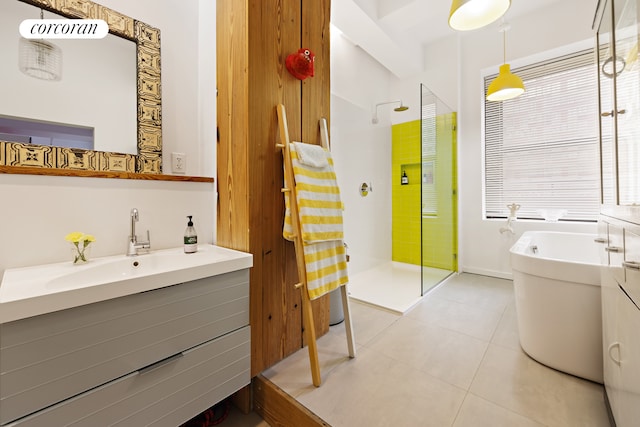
(402, 107)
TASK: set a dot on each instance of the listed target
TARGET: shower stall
(438, 191)
(398, 186)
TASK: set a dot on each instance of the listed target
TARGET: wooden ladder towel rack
(307, 312)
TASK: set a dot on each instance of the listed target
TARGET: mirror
(146, 156)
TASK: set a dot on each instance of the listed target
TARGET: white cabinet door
(629, 393)
(610, 293)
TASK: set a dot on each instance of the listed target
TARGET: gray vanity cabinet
(152, 358)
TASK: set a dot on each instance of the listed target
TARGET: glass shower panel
(438, 190)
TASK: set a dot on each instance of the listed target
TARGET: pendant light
(506, 85)
(40, 59)
(468, 15)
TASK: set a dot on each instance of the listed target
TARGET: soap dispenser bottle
(404, 180)
(190, 238)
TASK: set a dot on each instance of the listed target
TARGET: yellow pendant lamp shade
(505, 86)
(468, 15)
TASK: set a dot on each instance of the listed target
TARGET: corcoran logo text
(63, 28)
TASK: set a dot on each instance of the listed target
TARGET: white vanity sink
(32, 291)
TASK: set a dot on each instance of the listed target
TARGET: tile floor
(452, 360)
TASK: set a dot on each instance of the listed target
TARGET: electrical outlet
(178, 162)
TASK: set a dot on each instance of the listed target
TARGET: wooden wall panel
(232, 169)
(254, 38)
(273, 31)
(316, 94)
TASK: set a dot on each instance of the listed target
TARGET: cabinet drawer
(49, 358)
(164, 395)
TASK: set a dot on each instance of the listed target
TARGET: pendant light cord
(504, 46)
(504, 27)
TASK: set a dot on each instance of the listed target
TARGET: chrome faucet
(134, 245)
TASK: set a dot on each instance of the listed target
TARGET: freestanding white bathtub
(556, 279)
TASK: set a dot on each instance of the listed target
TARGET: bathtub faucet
(508, 228)
(513, 214)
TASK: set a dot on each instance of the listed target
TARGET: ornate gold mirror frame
(57, 160)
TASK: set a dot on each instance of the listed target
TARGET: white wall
(38, 211)
(440, 76)
(361, 151)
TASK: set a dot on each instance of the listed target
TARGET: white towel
(311, 155)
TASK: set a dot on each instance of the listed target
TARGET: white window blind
(541, 149)
(429, 158)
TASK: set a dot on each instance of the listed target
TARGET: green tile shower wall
(405, 199)
(438, 239)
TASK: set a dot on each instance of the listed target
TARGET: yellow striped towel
(320, 211)
(318, 196)
(326, 265)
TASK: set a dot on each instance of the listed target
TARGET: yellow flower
(77, 237)
(80, 241)
(74, 237)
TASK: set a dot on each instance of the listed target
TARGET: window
(541, 149)
(429, 138)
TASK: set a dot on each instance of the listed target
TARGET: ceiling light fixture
(468, 15)
(506, 85)
(40, 59)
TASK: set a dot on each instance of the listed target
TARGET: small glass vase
(80, 253)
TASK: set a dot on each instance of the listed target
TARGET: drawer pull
(611, 347)
(615, 249)
(632, 265)
(600, 240)
(159, 363)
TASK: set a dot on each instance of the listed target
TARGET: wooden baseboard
(279, 409)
